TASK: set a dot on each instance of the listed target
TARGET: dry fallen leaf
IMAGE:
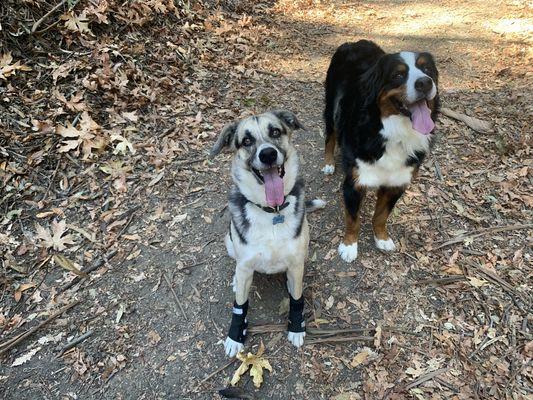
(359, 358)
(256, 362)
(475, 282)
(76, 23)
(21, 289)
(86, 138)
(25, 357)
(154, 337)
(7, 69)
(54, 239)
(65, 263)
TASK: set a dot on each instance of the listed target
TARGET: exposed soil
(447, 319)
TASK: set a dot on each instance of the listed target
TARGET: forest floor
(112, 218)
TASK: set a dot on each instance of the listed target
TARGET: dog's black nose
(424, 85)
(268, 155)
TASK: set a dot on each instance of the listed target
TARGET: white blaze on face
(415, 73)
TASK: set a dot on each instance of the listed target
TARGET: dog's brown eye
(247, 142)
(276, 133)
(399, 75)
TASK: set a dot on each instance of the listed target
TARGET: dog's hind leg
(296, 325)
(329, 150)
(237, 332)
(353, 199)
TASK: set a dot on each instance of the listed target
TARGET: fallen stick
(74, 342)
(314, 333)
(175, 296)
(270, 328)
(340, 339)
(425, 378)
(214, 373)
(474, 123)
(40, 21)
(14, 341)
(92, 268)
(331, 332)
(273, 328)
(482, 232)
(439, 281)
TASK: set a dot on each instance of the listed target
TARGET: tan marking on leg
(329, 151)
(352, 227)
(385, 200)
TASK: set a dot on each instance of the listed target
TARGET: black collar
(272, 210)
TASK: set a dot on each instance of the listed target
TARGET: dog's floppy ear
(371, 82)
(289, 119)
(225, 139)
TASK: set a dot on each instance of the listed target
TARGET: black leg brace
(296, 315)
(239, 323)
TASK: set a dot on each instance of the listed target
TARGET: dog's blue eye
(275, 133)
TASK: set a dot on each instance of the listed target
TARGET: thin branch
(425, 378)
(175, 296)
(75, 342)
(482, 232)
(6, 346)
(40, 21)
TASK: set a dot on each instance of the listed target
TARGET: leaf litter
(103, 149)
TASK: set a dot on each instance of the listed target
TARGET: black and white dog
(268, 231)
(381, 109)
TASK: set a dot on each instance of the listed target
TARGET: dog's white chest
(273, 247)
(392, 169)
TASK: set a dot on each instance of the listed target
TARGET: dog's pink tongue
(421, 117)
(273, 187)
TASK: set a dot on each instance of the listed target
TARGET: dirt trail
(459, 310)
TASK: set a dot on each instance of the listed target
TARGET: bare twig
(425, 378)
(175, 296)
(474, 123)
(193, 161)
(214, 373)
(482, 232)
(341, 339)
(51, 181)
(316, 333)
(74, 342)
(6, 346)
(40, 21)
(441, 281)
(92, 268)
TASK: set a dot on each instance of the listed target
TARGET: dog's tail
(315, 204)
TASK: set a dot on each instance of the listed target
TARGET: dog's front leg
(296, 325)
(237, 331)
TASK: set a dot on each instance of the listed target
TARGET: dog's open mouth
(419, 113)
(273, 181)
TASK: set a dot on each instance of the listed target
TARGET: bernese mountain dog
(381, 109)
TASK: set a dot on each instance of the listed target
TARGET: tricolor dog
(380, 109)
(268, 232)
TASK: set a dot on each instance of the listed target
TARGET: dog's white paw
(348, 253)
(315, 204)
(385, 245)
(328, 169)
(232, 347)
(296, 338)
